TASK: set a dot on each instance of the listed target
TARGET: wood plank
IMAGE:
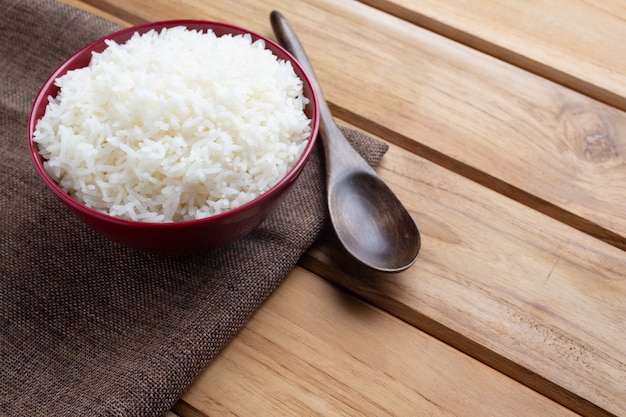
(535, 141)
(576, 43)
(533, 298)
(313, 349)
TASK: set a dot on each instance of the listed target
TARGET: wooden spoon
(370, 222)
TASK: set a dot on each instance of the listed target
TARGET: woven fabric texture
(92, 328)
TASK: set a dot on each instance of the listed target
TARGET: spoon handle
(369, 220)
(342, 151)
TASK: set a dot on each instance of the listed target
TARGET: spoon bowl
(387, 241)
(369, 220)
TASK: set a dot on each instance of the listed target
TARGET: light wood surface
(518, 184)
(573, 42)
(503, 283)
(331, 354)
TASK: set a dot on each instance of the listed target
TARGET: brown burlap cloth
(92, 328)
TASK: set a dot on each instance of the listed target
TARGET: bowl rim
(42, 97)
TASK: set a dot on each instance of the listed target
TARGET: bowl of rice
(174, 137)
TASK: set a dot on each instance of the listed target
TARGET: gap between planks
(481, 177)
(507, 55)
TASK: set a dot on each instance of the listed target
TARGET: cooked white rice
(174, 125)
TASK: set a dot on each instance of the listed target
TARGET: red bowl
(184, 236)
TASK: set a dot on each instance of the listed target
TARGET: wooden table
(507, 127)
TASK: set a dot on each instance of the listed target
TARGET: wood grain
(531, 297)
(317, 350)
(544, 145)
(546, 38)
